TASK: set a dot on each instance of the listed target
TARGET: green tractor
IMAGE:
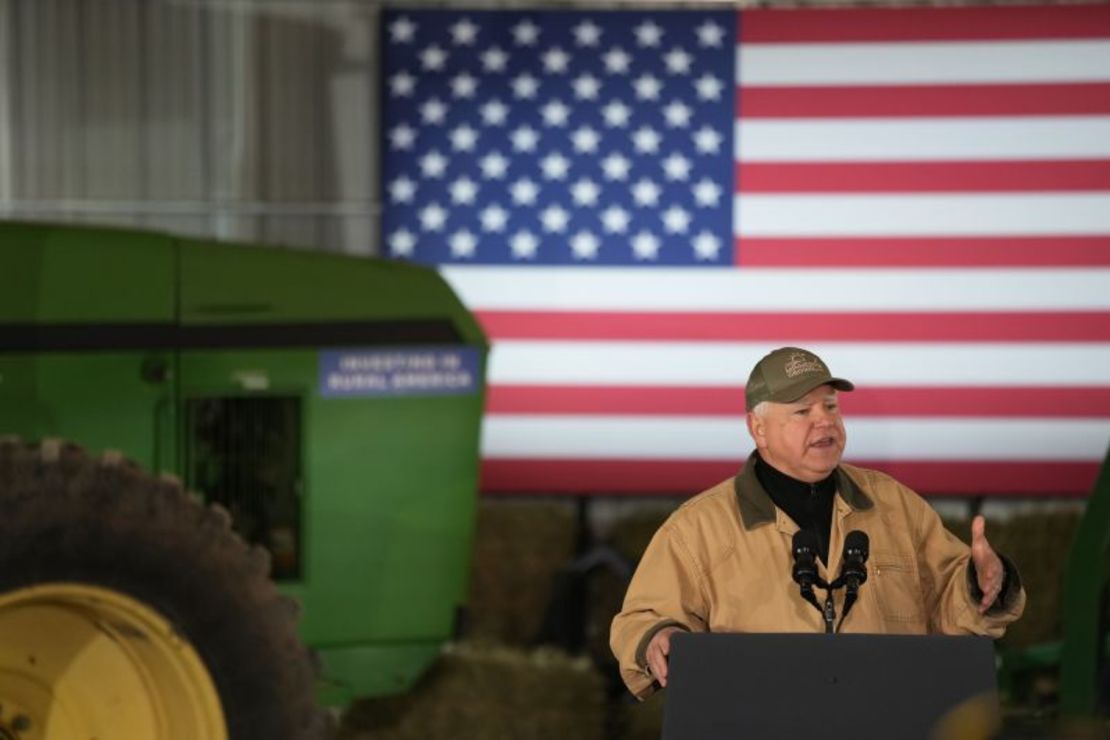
(236, 482)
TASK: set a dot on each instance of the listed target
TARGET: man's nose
(823, 416)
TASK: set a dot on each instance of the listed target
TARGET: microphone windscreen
(858, 542)
(804, 540)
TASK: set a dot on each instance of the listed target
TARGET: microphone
(804, 547)
(857, 547)
(853, 569)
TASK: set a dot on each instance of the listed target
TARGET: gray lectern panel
(807, 687)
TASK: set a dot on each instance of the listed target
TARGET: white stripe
(866, 364)
(716, 438)
(926, 215)
(985, 138)
(944, 62)
(731, 289)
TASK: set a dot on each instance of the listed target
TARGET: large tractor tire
(130, 610)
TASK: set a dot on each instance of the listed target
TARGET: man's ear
(755, 428)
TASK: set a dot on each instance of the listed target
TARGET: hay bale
(1039, 545)
(519, 547)
(486, 692)
(631, 534)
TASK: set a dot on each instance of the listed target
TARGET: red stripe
(683, 478)
(1052, 251)
(894, 101)
(924, 24)
(964, 326)
(1078, 402)
(921, 177)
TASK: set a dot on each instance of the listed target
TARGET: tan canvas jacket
(722, 563)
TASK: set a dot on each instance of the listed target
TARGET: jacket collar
(757, 508)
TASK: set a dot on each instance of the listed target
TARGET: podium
(811, 686)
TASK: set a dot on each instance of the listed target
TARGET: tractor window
(244, 453)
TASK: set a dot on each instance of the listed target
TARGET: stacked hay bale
(485, 692)
(519, 547)
(498, 683)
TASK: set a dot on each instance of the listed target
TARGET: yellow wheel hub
(80, 661)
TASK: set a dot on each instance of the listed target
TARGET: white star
(615, 220)
(463, 191)
(555, 60)
(433, 58)
(464, 138)
(494, 112)
(462, 243)
(402, 84)
(402, 136)
(494, 218)
(645, 193)
(706, 246)
(555, 166)
(647, 87)
(525, 33)
(493, 165)
(402, 242)
(587, 33)
(555, 113)
(707, 140)
(706, 193)
(433, 217)
(402, 30)
(585, 192)
(677, 61)
(710, 34)
(585, 140)
(524, 192)
(677, 114)
(586, 87)
(524, 245)
(616, 61)
(709, 87)
(525, 86)
(494, 59)
(464, 32)
(676, 220)
(616, 167)
(648, 34)
(676, 167)
(645, 246)
(433, 111)
(584, 245)
(402, 189)
(464, 85)
(616, 113)
(554, 219)
(646, 140)
(433, 164)
(524, 139)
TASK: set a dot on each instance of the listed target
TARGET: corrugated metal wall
(242, 120)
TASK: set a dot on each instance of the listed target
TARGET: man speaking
(723, 561)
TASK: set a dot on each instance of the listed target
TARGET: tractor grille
(244, 453)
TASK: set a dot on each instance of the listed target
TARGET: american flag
(639, 205)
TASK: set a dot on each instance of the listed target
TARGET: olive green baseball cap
(788, 373)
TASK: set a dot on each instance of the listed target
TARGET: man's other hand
(657, 651)
(988, 566)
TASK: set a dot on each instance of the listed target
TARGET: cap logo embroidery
(799, 364)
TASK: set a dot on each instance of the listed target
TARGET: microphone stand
(828, 611)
